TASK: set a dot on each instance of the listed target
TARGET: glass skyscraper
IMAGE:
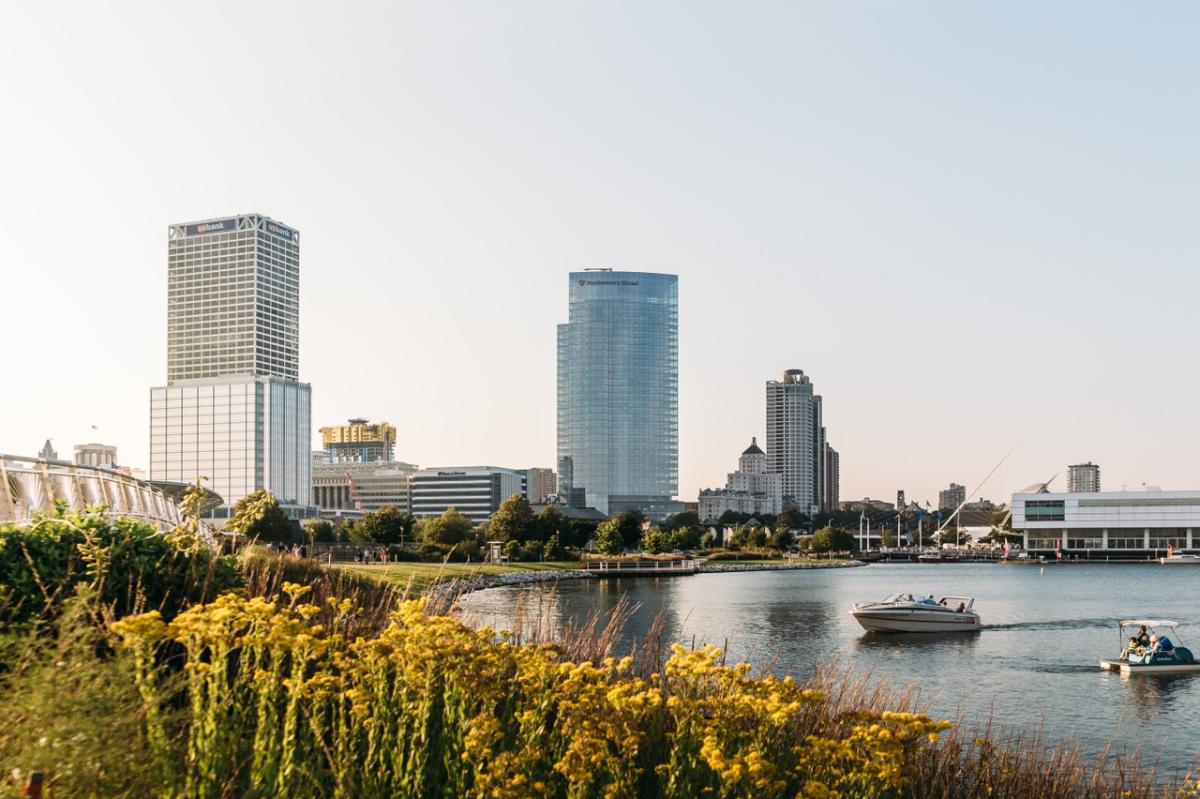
(233, 410)
(618, 392)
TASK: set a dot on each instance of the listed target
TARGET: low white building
(1133, 522)
(748, 490)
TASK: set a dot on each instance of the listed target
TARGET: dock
(642, 568)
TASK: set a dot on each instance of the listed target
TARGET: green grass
(424, 574)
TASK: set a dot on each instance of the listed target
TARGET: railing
(31, 486)
(641, 566)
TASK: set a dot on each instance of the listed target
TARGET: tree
(688, 519)
(551, 550)
(630, 524)
(512, 521)
(655, 541)
(551, 522)
(608, 537)
(686, 538)
(258, 515)
(384, 526)
(792, 519)
(319, 530)
(831, 539)
(446, 530)
(782, 539)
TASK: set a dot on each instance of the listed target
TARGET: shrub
(131, 565)
(431, 707)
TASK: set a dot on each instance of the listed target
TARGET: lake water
(1034, 664)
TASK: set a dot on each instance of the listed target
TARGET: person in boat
(962, 606)
(942, 601)
(1131, 648)
(1143, 638)
(1161, 644)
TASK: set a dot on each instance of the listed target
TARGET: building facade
(1083, 478)
(952, 497)
(233, 299)
(233, 410)
(797, 445)
(618, 391)
(751, 489)
(358, 441)
(242, 433)
(343, 489)
(1092, 524)
(475, 491)
(102, 455)
(832, 479)
(540, 484)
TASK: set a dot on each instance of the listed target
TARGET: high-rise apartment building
(359, 442)
(832, 480)
(952, 497)
(751, 489)
(1083, 478)
(540, 484)
(618, 392)
(233, 410)
(796, 443)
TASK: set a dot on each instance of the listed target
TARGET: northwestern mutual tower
(233, 409)
(618, 392)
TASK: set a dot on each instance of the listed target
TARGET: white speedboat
(1180, 559)
(901, 613)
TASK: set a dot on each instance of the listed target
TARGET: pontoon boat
(1156, 660)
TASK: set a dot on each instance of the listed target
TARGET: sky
(972, 224)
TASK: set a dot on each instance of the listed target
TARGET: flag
(1006, 548)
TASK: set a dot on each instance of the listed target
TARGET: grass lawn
(423, 574)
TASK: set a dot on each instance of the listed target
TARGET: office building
(540, 485)
(1083, 478)
(797, 445)
(233, 410)
(102, 455)
(359, 442)
(751, 489)
(1091, 524)
(348, 489)
(475, 491)
(952, 497)
(618, 392)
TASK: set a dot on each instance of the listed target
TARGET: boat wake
(1058, 624)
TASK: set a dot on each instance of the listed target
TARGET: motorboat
(1177, 659)
(902, 613)
(938, 556)
(1180, 559)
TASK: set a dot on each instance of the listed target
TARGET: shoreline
(451, 590)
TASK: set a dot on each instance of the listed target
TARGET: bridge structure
(30, 487)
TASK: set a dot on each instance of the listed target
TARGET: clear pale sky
(973, 224)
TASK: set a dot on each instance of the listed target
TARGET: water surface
(1035, 663)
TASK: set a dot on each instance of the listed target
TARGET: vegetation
(830, 539)
(307, 681)
(609, 540)
(384, 526)
(319, 530)
(259, 516)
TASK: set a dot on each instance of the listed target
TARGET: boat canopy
(1149, 623)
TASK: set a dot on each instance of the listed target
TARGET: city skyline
(883, 198)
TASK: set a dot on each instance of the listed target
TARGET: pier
(641, 568)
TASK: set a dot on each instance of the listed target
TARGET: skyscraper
(233, 410)
(952, 497)
(618, 391)
(1083, 478)
(791, 443)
